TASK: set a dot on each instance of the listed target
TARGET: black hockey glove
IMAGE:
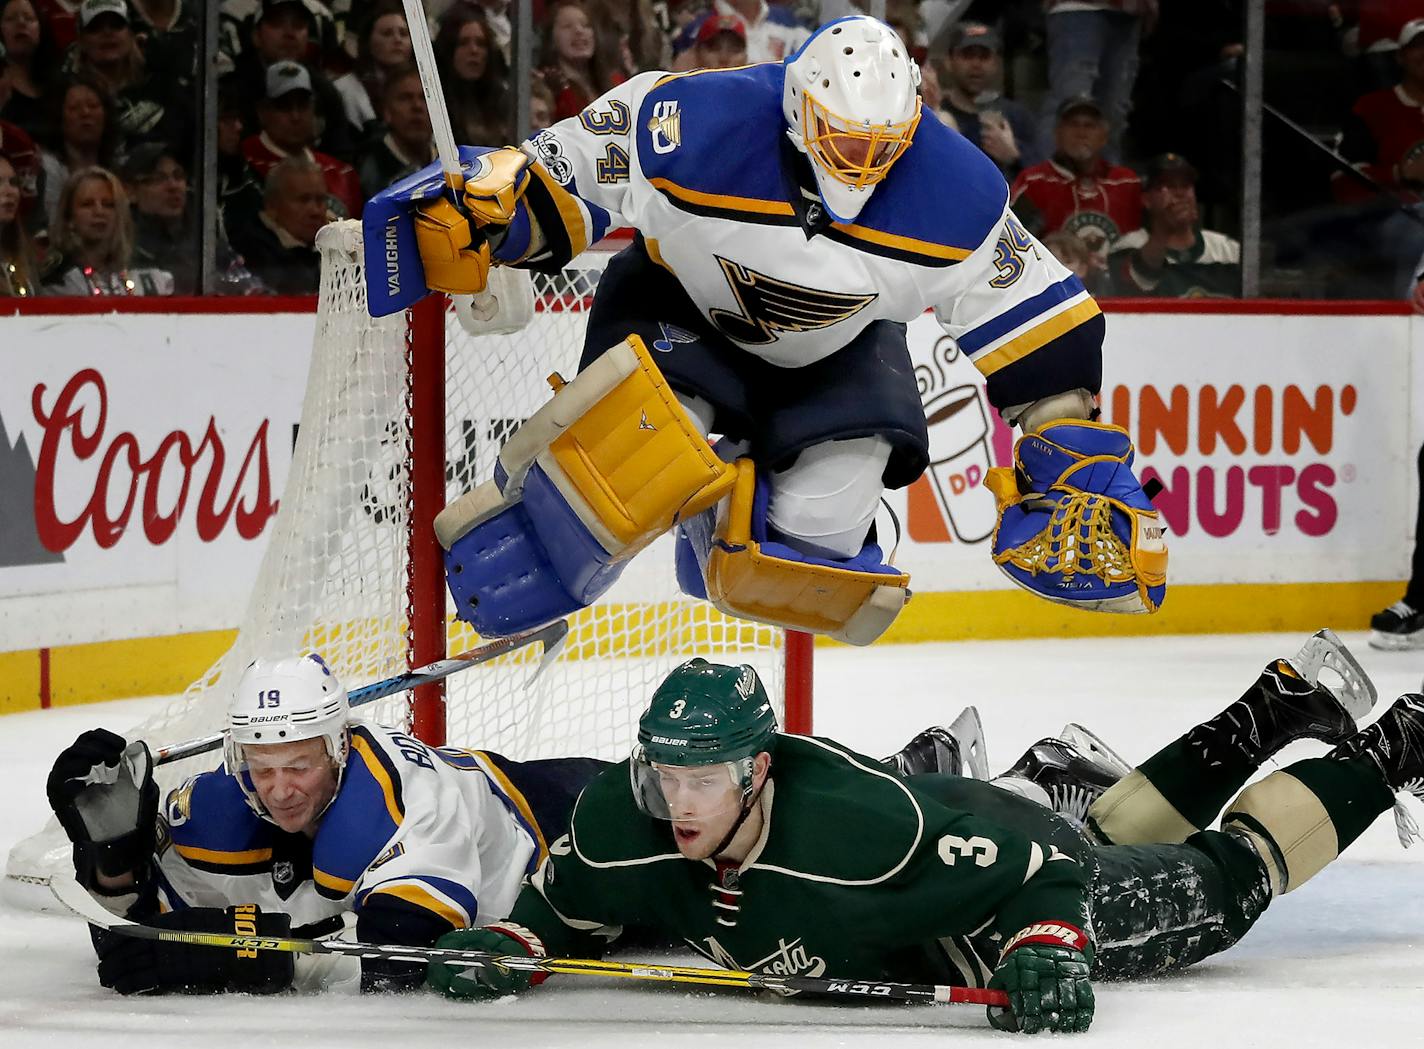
(102, 789)
(133, 966)
(1046, 980)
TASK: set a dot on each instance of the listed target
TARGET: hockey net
(352, 570)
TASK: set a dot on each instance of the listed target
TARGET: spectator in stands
(30, 61)
(282, 31)
(721, 43)
(1172, 256)
(166, 235)
(239, 187)
(772, 30)
(85, 135)
(280, 247)
(1092, 51)
(18, 272)
(383, 48)
(999, 126)
(541, 104)
(62, 18)
(151, 102)
(408, 144)
(1384, 134)
(1076, 255)
(168, 25)
(496, 14)
(474, 77)
(91, 244)
(574, 68)
(17, 147)
(1077, 189)
(287, 116)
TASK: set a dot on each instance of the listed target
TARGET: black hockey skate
(1394, 744)
(1318, 693)
(1399, 626)
(957, 750)
(1072, 772)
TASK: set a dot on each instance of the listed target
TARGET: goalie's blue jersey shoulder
(942, 191)
(715, 133)
(712, 142)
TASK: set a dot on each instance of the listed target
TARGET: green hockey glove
(1046, 980)
(481, 983)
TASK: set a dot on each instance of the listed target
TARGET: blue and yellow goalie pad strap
(749, 575)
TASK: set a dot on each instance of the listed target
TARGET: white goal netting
(334, 577)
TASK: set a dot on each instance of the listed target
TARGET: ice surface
(1340, 962)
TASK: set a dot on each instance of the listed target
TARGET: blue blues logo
(672, 336)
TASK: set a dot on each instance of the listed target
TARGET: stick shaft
(424, 53)
(68, 892)
(550, 635)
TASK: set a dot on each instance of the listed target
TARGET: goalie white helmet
(851, 105)
(285, 701)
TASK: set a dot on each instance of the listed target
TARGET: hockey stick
(76, 899)
(482, 304)
(551, 635)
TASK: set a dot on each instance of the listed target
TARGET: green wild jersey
(857, 874)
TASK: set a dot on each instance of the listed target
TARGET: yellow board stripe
(232, 859)
(513, 794)
(1037, 336)
(894, 240)
(422, 898)
(379, 774)
(717, 200)
(331, 881)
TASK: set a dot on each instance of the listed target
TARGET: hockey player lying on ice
(312, 816)
(791, 854)
(791, 218)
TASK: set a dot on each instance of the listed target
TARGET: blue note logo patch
(672, 336)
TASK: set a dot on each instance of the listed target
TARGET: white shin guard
(824, 503)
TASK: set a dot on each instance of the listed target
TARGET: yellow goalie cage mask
(851, 104)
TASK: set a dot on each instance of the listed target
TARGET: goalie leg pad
(608, 465)
(748, 576)
(528, 563)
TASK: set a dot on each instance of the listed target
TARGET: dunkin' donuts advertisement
(1282, 443)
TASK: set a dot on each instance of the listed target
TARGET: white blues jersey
(700, 165)
(438, 832)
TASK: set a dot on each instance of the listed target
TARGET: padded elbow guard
(747, 575)
(594, 476)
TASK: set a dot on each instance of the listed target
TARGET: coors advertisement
(141, 463)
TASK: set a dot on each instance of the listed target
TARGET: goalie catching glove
(1074, 524)
(481, 983)
(1044, 971)
(416, 239)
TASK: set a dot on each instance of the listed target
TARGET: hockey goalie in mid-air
(791, 218)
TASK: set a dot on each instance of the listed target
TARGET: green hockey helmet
(703, 714)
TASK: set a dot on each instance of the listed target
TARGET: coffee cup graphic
(959, 460)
